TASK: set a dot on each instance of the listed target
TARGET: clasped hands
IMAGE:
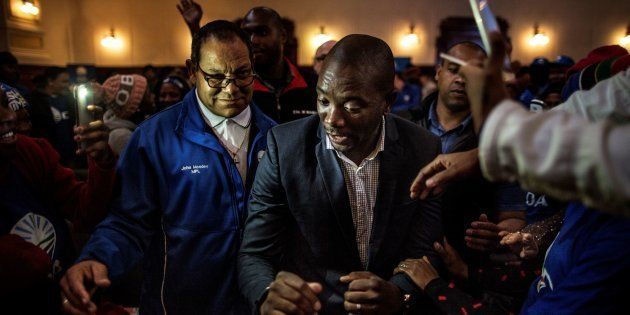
(367, 294)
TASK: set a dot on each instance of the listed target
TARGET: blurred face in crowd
(399, 83)
(350, 108)
(60, 84)
(451, 86)
(266, 35)
(219, 60)
(320, 55)
(169, 95)
(552, 100)
(9, 73)
(8, 137)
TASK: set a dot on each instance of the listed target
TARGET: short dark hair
(221, 30)
(371, 55)
(51, 73)
(272, 14)
(466, 43)
(7, 58)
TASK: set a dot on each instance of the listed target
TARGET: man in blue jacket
(184, 181)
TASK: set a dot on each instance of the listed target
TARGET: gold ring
(402, 266)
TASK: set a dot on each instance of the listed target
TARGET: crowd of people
(244, 186)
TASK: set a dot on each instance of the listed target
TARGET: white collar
(242, 119)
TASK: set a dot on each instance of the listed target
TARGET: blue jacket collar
(190, 124)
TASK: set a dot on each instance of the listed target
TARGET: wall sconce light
(625, 41)
(28, 7)
(410, 39)
(539, 38)
(111, 41)
(321, 38)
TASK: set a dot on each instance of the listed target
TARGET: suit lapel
(335, 185)
(390, 167)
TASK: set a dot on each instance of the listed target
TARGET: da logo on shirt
(36, 230)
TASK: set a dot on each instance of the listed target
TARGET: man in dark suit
(330, 215)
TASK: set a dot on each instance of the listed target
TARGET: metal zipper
(164, 270)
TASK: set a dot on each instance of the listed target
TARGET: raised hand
(95, 136)
(78, 285)
(444, 169)
(521, 244)
(192, 13)
(485, 86)
(420, 271)
(483, 235)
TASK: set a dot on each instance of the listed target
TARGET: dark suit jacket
(300, 219)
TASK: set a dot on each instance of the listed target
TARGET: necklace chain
(235, 153)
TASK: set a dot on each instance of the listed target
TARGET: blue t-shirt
(586, 267)
(540, 207)
(406, 99)
(64, 124)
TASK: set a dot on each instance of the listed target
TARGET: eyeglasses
(241, 80)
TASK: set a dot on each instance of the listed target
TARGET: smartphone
(88, 111)
(486, 23)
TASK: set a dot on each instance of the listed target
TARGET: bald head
(321, 53)
(367, 55)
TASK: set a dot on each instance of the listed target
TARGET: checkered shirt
(362, 184)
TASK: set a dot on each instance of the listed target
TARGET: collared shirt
(362, 185)
(451, 137)
(233, 133)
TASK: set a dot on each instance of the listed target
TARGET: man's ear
(438, 68)
(190, 67)
(389, 101)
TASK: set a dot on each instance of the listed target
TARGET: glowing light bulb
(539, 39)
(410, 39)
(321, 38)
(625, 41)
(111, 41)
(29, 8)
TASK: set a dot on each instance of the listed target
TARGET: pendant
(235, 158)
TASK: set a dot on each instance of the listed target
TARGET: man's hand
(76, 298)
(289, 294)
(369, 294)
(485, 87)
(95, 136)
(444, 169)
(483, 234)
(521, 244)
(192, 13)
(454, 263)
(419, 270)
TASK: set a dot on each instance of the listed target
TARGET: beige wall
(153, 32)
